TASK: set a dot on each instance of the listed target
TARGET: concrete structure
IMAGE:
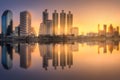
(55, 23)
(45, 16)
(69, 22)
(25, 23)
(62, 22)
(49, 28)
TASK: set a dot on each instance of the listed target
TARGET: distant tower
(118, 30)
(25, 23)
(69, 22)
(110, 30)
(7, 23)
(62, 22)
(45, 16)
(55, 22)
(98, 29)
(105, 29)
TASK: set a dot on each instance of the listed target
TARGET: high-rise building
(7, 23)
(69, 22)
(45, 16)
(49, 27)
(55, 23)
(110, 30)
(105, 29)
(42, 29)
(62, 22)
(25, 23)
(118, 30)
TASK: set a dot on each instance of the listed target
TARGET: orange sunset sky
(87, 13)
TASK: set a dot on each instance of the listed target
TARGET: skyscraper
(45, 16)
(62, 22)
(55, 23)
(69, 22)
(42, 29)
(105, 29)
(7, 23)
(25, 23)
(49, 27)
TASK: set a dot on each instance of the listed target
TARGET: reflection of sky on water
(87, 63)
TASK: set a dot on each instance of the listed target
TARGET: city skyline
(87, 13)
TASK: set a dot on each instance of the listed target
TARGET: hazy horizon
(87, 13)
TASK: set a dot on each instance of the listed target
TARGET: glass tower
(7, 23)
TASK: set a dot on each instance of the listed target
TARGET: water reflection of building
(46, 53)
(69, 56)
(108, 45)
(62, 56)
(25, 56)
(7, 56)
(55, 56)
(51, 52)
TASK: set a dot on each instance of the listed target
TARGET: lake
(63, 61)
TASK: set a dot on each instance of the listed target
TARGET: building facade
(62, 22)
(55, 23)
(69, 22)
(7, 23)
(25, 23)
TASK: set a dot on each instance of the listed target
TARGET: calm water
(70, 61)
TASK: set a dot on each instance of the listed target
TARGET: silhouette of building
(45, 16)
(111, 30)
(69, 22)
(105, 29)
(25, 23)
(62, 22)
(7, 23)
(7, 56)
(55, 23)
(25, 56)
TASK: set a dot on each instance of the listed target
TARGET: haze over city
(87, 13)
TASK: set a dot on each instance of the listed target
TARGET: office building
(49, 27)
(7, 23)
(69, 22)
(45, 16)
(25, 23)
(42, 29)
(62, 22)
(55, 23)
